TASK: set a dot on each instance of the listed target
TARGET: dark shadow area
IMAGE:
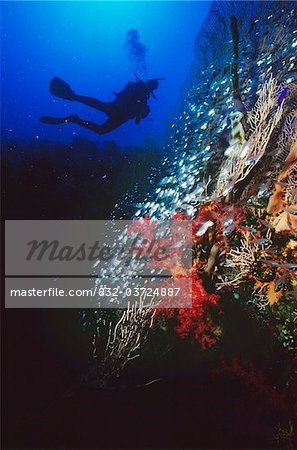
(47, 406)
(81, 180)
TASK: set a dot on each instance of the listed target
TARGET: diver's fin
(51, 120)
(58, 120)
(61, 89)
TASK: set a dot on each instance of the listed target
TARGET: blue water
(83, 43)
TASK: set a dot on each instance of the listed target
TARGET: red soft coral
(196, 322)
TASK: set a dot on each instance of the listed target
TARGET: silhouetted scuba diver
(130, 103)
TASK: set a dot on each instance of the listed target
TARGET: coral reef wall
(229, 64)
(231, 168)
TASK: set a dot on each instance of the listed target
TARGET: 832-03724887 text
(100, 291)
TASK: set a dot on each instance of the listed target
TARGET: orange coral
(277, 202)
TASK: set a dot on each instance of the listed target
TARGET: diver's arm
(145, 112)
(142, 114)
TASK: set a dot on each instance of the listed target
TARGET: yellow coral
(267, 290)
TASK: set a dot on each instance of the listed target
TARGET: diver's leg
(61, 89)
(106, 127)
(105, 107)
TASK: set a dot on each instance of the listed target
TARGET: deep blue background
(83, 43)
